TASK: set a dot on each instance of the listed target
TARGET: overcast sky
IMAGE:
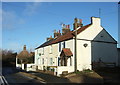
(25, 23)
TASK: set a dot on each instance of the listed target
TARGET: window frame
(42, 61)
(59, 46)
(51, 61)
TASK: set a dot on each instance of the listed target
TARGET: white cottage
(89, 46)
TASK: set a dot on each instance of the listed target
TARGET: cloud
(31, 8)
(10, 20)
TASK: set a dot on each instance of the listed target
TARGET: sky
(30, 23)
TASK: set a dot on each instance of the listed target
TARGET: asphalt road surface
(50, 78)
(13, 77)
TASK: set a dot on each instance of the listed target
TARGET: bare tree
(8, 58)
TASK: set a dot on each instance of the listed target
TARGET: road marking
(4, 81)
(1, 80)
(38, 78)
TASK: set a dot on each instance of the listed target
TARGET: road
(14, 77)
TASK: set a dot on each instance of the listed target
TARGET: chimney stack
(77, 23)
(24, 48)
(57, 34)
(65, 29)
(95, 21)
(69, 26)
(49, 38)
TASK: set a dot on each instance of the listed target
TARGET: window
(39, 54)
(60, 47)
(58, 61)
(64, 44)
(51, 61)
(50, 48)
(42, 60)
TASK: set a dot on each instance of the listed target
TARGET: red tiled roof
(63, 37)
(67, 36)
(67, 52)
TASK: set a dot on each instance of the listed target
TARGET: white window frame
(43, 61)
(51, 61)
(63, 44)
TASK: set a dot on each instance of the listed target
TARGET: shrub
(53, 69)
(48, 68)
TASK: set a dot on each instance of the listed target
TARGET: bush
(44, 69)
(48, 68)
(53, 69)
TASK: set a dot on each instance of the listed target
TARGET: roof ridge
(67, 36)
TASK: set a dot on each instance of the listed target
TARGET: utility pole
(76, 50)
(75, 43)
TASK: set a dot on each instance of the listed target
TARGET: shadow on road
(109, 74)
(50, 78)
(10, 70)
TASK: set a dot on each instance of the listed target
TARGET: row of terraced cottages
(85, 47)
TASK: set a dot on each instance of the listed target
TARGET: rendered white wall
(83, 55)
(70, 44)
(60, 69)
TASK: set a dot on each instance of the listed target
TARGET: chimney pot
(75, 20)
(59, 31)
(68, 26)
(80, 21)
(54, 31)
